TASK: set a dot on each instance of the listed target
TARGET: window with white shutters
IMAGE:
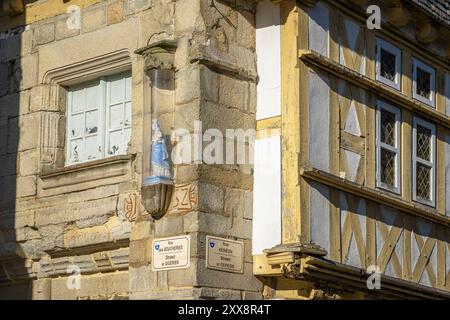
(98, 119)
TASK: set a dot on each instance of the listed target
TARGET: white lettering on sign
(171, 253)
(224, 254)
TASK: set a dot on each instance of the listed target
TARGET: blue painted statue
(160, 163)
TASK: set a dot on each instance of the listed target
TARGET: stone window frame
(431, 163)
(383, 44)
(396, 149)
(55, 176)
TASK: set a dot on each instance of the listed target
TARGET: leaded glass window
(424, 139)
(388, 147)
(388, 65)
(424, 82)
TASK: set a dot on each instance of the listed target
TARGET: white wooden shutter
(84, 129)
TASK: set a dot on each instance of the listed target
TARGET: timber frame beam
(379, 89)
(374, 195)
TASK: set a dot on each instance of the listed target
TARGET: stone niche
(159, 70)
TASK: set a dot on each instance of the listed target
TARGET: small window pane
(387, 127)
(126, 137)
(423, 143)
(116, 116)
(117, 91)
(77, 125)
(78, 100)
(423, 182)
(423, 83)
(127, 122)
(92, 147)
(91, 122)
(115, 143)
(387, 65)
(92, 98)
(76, 150)
(128, 88)
(388, 167)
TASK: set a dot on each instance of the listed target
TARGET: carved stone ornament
(159, 55)
(13, 7)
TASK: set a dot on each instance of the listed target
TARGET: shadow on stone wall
(14, 103)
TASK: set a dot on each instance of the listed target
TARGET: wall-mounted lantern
(159, 84)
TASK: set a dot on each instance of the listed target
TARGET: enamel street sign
(171, 253)
(224, 254)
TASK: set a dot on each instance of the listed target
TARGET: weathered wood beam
(13, 7)
(398, 14)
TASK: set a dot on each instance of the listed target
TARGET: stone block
(4, 78)
(187, 85)
(183, 277)
(140, 252)
(8, 164)
(155, 30)
(169, 226)
(142, 279)
(234, 202)
(225, 280)
(188, 17)
(29, 126)
(251, 295)
(28, 162)
(245, 34)
(211, 198)
(10, 48)
(219, 294)
(43, 33)
(26, 186)
(93, 19)
(29, 71)
(141, 230)
(42, 289)
(114, 12)
(63, 30)
(234, 93)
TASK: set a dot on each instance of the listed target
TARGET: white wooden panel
(268, 60)
(318, 29)
(267, 195)
(319, 122)
(320, 215)
(78, 101)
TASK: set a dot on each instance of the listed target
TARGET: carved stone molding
(427, 31)
(159, 55)
(398, 14)
(84, 175)
(107, 64)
